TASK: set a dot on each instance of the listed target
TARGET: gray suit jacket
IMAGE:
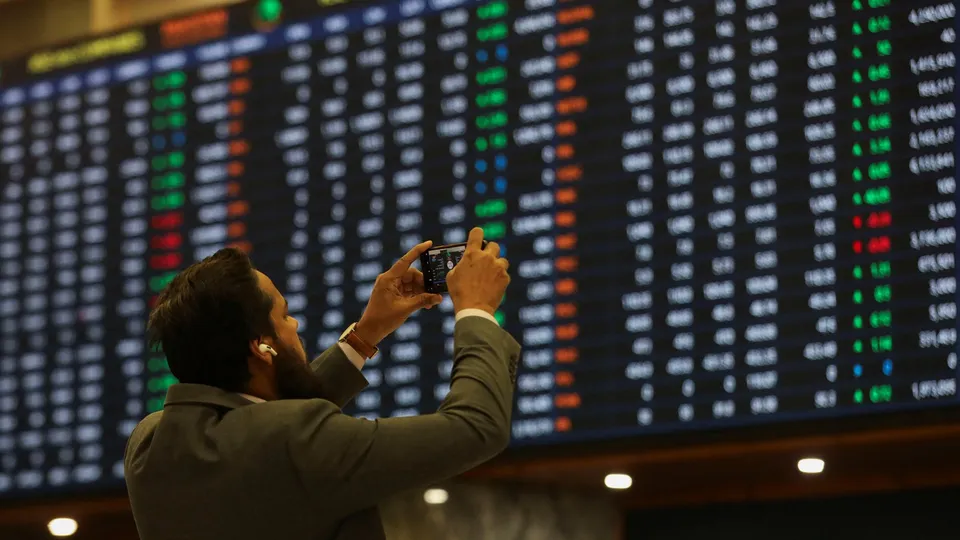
(214, 466)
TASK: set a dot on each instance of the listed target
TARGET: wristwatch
(351, 338)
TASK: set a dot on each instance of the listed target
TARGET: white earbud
(264, 348)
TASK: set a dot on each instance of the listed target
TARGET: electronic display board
(718, 212)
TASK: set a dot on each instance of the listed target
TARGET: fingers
(423, 301)
(475, 240)
(401, 266)
(412, 281)
(428, 300)
(493, 248)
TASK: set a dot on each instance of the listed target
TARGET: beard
(295, 378)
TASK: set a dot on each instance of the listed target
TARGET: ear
(256, 353)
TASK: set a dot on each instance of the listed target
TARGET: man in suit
(252, 444)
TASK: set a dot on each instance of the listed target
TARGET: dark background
(915, 514)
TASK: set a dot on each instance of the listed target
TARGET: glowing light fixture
(810, 465)
(62, 526)
(435, 496)
(618, 481)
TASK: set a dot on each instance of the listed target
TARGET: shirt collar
(254, 399)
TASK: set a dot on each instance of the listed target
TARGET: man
(252, 444)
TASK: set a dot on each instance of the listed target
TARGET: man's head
(211, 320)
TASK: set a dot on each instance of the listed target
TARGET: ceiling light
(810, 465)
(435, 496)
(62, 527)
(618, 481)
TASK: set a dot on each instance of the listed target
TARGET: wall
(927, 515)
(108, 15)
(26, 25)
(29, 24)
(477, 512)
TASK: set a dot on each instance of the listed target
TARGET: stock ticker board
(718, 212)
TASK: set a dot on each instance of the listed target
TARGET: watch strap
(351, 338)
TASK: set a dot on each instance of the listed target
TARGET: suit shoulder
(285, 412)
(141, 435)
(150, 420)
(264, 425)
(148, 423)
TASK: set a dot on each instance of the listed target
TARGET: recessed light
(810, 465)
(62, 526)
(618, 481)
(435, 496)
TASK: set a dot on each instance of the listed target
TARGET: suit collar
(201, 394)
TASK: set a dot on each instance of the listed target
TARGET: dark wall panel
(926, 515)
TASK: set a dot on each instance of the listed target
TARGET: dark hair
(205, 318)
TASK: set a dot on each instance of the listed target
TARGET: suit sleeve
(340, 378)
(348, 464)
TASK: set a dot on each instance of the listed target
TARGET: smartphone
(437, 262)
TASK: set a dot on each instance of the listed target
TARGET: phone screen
(439, 262)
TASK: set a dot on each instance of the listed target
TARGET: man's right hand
(480, 279)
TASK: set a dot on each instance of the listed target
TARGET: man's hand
(479, 280)
(396, 294)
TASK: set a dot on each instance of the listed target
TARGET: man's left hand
(396, 294)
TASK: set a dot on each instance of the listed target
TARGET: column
(871, 243)
(406, 67)
(728, 189)
(36, 262)
(571, 38)
(450, 153)
(932, 27)
(821, 274)
(13, 135)
(294, 133)
(131, 289)
(92, 343)
(220, 163)
(336, 98)
(164, 149)
(638, 146)
(675, 321)
(534, 122)
(79, 223)
(760, 174)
